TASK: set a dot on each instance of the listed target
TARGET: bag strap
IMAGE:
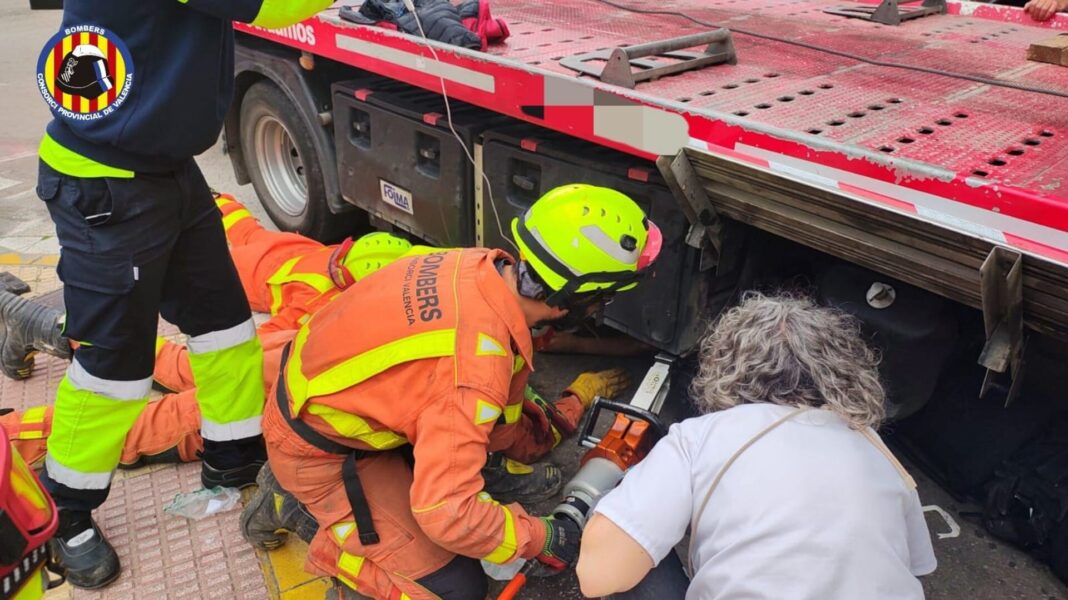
(910, 483)
(723, 471)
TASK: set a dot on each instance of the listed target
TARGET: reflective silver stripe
(222, 339)
(416, 62)
(223, 432)
(109, 388)
(611, 247)
(541, 241)
(76, 479)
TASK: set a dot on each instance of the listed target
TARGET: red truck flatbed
(934, 157)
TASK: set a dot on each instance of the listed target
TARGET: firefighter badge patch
(85, 73)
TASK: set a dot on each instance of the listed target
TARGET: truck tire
(285, 168)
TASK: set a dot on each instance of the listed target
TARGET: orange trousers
(172, 422)
(258, 254)
(384, 570)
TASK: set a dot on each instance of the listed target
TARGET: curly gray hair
(787, 350)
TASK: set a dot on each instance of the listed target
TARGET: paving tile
(163, 556)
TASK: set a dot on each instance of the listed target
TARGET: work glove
(561, 544)
(607, 384)
(549, 419)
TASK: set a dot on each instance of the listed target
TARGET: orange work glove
(608, 384)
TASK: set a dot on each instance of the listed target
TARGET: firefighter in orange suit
(303, 275)
(379, 427)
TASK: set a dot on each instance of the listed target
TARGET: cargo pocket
(112, 275)
(47, 182)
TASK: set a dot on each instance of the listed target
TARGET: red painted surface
(978, 145)
(870, 195)
(1036, 248)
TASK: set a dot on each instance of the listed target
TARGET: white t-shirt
(813, 510)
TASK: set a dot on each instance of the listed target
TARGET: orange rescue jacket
(432, 350)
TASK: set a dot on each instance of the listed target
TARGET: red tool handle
(511, 590)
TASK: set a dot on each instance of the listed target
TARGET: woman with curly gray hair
(786, 488)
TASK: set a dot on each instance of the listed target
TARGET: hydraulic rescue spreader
(637, 427)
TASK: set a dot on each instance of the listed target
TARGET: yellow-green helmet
(372, 252)
(582, 238)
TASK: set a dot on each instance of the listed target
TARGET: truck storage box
(523, 162)
(399, 161)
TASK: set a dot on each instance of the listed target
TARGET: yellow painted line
(39, 260)
(313, 590)
(287, 564)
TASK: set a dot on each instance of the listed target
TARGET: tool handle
(511, 590)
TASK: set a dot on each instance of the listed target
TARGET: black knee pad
(461, 579)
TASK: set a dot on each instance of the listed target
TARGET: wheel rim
(281, 166)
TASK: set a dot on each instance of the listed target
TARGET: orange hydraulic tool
(626, 443)
(633, 433)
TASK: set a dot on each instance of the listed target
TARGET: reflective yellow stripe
(430, 508)
(276, 286)
(83, 457)
(222, 201)
(350, 566)
(518, 364)
(517, 468)
(160, 342)
(512, 413)
(33, 416)
(283, 13)
(24, 485)
(354, 427)
(234, 217)
(284, 275)
(361, 367)
(509, 544)
(71, 163)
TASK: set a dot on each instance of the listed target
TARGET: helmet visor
(654, 241)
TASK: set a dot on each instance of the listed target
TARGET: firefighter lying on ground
(813, 505)
(289, 277)
(377, 429)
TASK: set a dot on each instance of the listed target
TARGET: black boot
(234, 463)
(27, 326)
(82, 550)
(340, 591)
(511, 481)
(273, 513)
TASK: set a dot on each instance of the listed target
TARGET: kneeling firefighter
(390, 397)
(28, 518)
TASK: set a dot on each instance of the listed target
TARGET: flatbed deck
(984, 160)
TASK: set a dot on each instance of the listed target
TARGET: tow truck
(901, 160)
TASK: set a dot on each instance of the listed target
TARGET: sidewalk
(162, 556)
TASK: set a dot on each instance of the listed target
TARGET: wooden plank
(1052, 50)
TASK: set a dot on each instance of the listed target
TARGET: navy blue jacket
(183, 58)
